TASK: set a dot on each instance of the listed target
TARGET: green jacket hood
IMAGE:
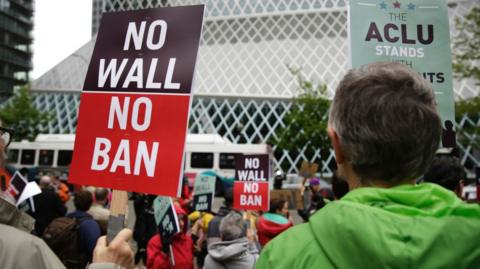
(408, 226)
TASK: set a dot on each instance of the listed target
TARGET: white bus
(202, 152)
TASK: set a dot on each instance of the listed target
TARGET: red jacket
(182, 247)
(268, 228)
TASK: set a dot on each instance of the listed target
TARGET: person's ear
(337, 147)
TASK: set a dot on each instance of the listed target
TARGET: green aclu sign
(412, 32)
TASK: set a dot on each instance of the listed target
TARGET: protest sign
(252, 167)
(308, 170)
(204, 191)
(165, 217)
(292, 196)
(17, 185)
(251, 195)
(135, 102)
(415, 33)
(251, 188)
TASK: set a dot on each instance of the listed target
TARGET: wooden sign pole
(118, 212)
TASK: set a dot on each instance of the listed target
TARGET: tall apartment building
(16, 24)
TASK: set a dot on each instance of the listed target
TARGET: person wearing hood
(384, 129)
(234, 251)
(274, 222)
(181, 245)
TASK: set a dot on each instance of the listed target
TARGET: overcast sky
(60, 28)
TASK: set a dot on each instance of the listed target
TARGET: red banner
(251, 195)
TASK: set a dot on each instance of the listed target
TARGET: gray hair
(385, 117)
(232, 227)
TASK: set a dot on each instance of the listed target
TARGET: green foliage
(306, 122)
(22, 117)
(467, 46)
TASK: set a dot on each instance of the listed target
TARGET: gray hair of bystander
(385, 117)
(232, 227)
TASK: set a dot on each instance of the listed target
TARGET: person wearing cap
(384, 129)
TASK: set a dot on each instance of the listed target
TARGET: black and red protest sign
(251, 188)
(136, 98)
(252, 167)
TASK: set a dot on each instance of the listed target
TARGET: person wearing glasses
(20, 249)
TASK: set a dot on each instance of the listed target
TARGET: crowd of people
(385, 131)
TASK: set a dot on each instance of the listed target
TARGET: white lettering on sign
(252, 163)
(111, 72)
(136, 35)
(135, 74)
(251, 175)
(101, 159)
(122, 157)
(250, 187)
(148, 160)
(121, 114)
(100, 151)
(250, 200)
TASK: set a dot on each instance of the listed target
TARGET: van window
(12, 155)
(64, 157)
(45, 157)
(227, 160)
(28, 157)
(201, 160)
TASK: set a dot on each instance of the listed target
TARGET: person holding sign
(180, 246)
(384, 129)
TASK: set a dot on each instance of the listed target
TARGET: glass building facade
(15, 42)
(243, 87)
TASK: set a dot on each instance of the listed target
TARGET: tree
(22, 117)
(306, 122)
(467, 46)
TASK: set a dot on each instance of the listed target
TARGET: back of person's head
(386, 121)
(232, 227)
(44, 182)
(276, 205)
(446, 171)
(83, 200)
(339, 186)
(101, 194)
(228, 196)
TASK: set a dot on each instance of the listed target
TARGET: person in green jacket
(384, 129)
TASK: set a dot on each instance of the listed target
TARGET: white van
(202, 152)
